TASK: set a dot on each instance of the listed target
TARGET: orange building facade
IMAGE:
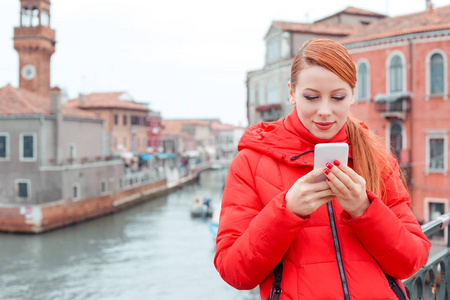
(125, 120)
(402, 95)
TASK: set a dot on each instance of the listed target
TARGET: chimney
(429, 6)
(82, 98)
(55, 96)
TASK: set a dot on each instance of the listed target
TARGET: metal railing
(135, 179)
(432, 280)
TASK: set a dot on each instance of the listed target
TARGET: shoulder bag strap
(276, 287)
(397, 289)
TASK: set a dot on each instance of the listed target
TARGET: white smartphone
(329, 152)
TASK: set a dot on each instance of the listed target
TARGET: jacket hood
(286, 140)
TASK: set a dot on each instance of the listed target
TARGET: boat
(201, 207)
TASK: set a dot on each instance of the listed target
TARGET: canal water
(151, 251)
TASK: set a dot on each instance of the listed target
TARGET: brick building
(126, 121)
(402, 91)
(402, 95)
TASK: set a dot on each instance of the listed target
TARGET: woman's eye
(310, 97)
(339, 98)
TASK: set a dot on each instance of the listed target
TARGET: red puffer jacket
(256, 230)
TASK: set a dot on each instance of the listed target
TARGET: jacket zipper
(337, 250)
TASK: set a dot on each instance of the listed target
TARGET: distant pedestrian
(352, 236)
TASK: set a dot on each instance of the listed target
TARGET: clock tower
(34, 41)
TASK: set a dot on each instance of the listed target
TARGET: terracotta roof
(107, 100)
(176, 126)
(318, 28)
(220, 126)
(22, 102)
(354, 11)
(181, 122)
(175, 133)
(436, 19)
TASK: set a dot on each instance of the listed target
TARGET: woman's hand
(349, 188)
(305, 195)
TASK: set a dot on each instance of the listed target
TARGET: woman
(343, 238)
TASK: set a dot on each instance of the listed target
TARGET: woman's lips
(324, 125)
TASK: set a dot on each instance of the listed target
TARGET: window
(436, 210)
(76, 192)
(4, 146)
(35, 17)
(436, 154)
(26, 17)
(124, 120)
(28, 147)
(22, 187)
(103, 187)
(396, 74)
(273, 94)
(45, 18)
(124, 141)
(362, 89)
(134, 120)
(396, 138)
(433, 209)
(273, 51)
(436, 149)
(116, 119)
(437, 74)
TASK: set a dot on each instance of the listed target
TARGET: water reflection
(151, 251)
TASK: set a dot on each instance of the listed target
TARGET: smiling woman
(276, 217)
(322, 99)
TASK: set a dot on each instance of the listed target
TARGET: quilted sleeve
(251, 239)
(390, 232)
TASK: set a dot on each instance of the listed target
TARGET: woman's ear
(291, 94)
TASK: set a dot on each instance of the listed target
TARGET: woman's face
(323, 101)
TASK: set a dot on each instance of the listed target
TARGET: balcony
(393, 105)
(432, 280)
(270, 112)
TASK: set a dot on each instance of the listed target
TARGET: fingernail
(329, 166)
(337, 163)
(326, 171)
(328, 178)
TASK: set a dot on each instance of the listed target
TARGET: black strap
(394, 285)
(276, 287)
(278, 272)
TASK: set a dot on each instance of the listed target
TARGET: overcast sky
(187, 59)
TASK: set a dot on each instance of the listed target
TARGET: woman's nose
(324, 109)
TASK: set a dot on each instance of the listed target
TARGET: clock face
(28, 72)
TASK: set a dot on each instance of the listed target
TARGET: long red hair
(371, 159)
